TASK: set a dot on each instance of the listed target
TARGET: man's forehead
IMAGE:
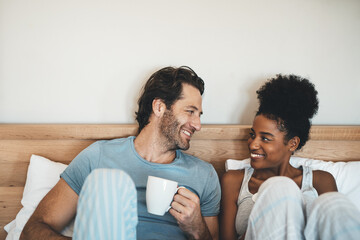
(190, 96)
(194, 103)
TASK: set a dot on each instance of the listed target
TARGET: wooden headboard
(214, 143)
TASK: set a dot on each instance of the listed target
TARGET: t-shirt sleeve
(82, 165)
(210, 206)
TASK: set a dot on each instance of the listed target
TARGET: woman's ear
(294, 143)
(158, 107)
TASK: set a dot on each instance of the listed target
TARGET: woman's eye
(251, 135)
(265, 139)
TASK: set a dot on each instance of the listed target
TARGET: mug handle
(177, 189)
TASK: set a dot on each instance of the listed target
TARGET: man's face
(183, 119)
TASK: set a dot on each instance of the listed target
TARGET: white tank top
(245, 202)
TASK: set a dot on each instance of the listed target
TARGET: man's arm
(186, 210)
(53, 213)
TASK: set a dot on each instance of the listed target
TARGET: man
(169, 114)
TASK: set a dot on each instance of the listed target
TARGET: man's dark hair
(165, 84)
(291, 101)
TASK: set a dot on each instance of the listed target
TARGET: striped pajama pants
(107, 207)
(279, 213)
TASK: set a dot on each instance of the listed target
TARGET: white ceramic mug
(159, 194)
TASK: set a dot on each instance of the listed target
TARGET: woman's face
(266, 144)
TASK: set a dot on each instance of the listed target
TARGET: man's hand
(186, 210)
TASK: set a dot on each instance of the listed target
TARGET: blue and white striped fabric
(107, 207)
(333, 216)
(279, 212)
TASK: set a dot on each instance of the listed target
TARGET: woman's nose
(253, 144)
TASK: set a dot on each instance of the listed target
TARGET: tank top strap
(248, 171)
(307, 188)
(307, 181)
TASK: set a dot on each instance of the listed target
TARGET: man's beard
(170, 128)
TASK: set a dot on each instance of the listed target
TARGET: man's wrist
(203, 233)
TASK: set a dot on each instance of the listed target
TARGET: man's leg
(333, 216)
(107, 207)
(278, 211)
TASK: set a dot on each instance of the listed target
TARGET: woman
(272, 199)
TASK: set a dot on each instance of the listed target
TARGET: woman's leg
(278, 211)
(333, 216)
(107, 207)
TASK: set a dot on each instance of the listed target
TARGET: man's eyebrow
(195, 108)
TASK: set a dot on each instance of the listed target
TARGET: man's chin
(184, 147)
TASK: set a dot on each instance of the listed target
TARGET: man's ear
(294, 143)
(158, 107)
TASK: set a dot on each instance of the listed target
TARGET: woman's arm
(324, 182)
(230, 188)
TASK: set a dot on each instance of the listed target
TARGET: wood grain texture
(10, 198)
(65, 131)
(57, 150)
(214, 144)
(331, 150)
(109, 131)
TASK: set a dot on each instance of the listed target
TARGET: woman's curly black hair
(292, 102)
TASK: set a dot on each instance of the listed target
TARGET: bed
(217, 144)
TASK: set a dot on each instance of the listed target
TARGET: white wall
(84, 61)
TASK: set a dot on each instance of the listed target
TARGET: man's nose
(196, 123)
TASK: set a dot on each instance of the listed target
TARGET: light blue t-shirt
(196, 175)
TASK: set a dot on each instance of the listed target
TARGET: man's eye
(190, 111)
(252, 135)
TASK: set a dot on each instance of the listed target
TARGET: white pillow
(42, 175)
(346, 174)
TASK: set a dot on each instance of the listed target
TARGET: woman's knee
(332, 203)
(280, 184)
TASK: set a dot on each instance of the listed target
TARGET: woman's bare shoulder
(324, 182)
(232, 179)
